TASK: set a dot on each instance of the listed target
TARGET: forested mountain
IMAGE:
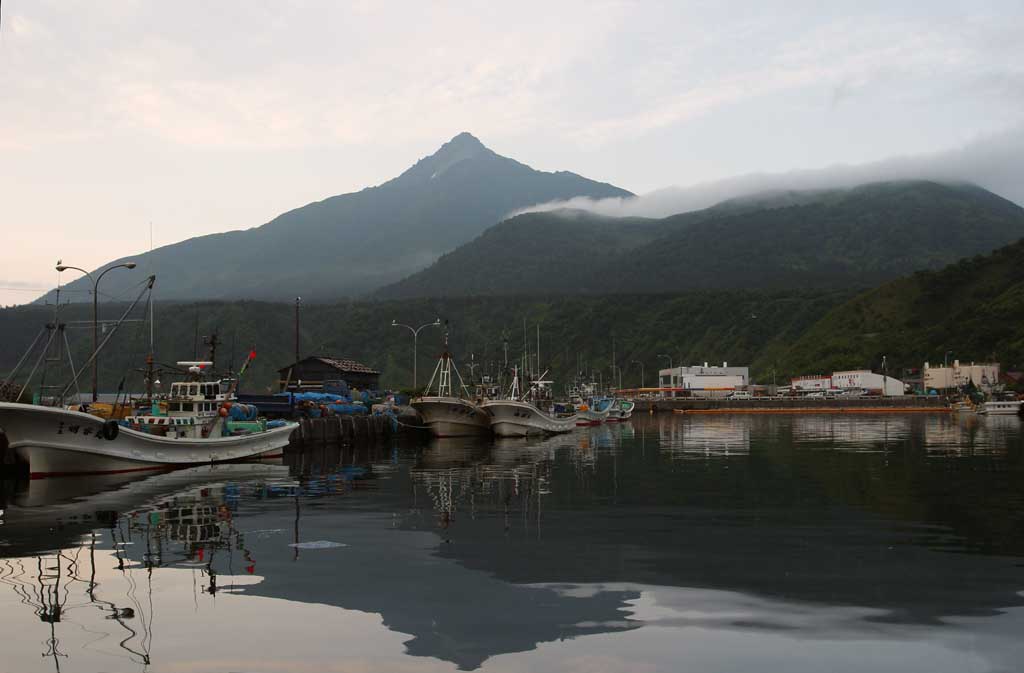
(974, 308)
(738, 326)
(784, 240)
(347, 245)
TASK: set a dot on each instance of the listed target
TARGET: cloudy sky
(202, 117)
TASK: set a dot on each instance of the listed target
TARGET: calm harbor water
(672, 543)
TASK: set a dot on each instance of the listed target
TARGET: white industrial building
(809, 384)
(983, 375)
(860, 379)
(863, 379)
(704, 381)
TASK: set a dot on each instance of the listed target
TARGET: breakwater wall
(906, 403)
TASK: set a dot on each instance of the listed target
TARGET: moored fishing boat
(1001, 408)
(197, 424)
(516, 417)
(594, 413)
(620, 410)
(450, 412)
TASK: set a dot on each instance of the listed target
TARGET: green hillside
(737, 326)
(974, 308)
(853, 238)
(347, 245)
(533, 253)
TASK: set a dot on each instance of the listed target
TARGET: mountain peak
(465, 140)
(463, 146)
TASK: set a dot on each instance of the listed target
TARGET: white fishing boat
(620, 410)
(449, 413)
(194, 426)
(1001, 408)
(517, 417)
(198, 423)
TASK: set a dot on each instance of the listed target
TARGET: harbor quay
(902, 404)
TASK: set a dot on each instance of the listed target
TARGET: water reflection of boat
(72, 506)
(533, 550)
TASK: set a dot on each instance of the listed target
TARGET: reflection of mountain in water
(476, 550)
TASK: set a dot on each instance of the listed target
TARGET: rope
(409, 425)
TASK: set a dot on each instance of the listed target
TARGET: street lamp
(945, 375)
(415, 336)
(95, 313)
(671, 372)
(637, 362)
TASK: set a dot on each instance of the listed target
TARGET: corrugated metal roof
(341, 364)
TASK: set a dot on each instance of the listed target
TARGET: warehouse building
(811, 384)
(863, 380)
(983, 375)
(703, 381)
(866, 380)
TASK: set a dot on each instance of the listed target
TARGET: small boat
(446, 413)
(517, 417)
(620, 410)
(594, 413)
(197, 424)
(1001, 408)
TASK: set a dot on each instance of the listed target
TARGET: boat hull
(1001, 409)
(57, 441)
(510, 418)
(452, 417)
(621, 410)
(591, 417)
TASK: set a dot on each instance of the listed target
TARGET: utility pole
(638, 362)
(298, 302)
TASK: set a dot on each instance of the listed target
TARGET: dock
(859, 405)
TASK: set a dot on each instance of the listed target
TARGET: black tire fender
(110, 430)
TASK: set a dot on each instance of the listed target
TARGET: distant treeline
(973, 309)
(575, 333)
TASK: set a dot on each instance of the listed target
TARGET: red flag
(252, 354)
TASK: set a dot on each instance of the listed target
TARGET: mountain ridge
(349, 244)
(834, 238)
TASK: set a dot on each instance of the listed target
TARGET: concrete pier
(906, 403)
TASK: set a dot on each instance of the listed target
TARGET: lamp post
(637, 362)
(298, 303)
(95, 313)
(415, 337)
(945, 375)
(671, 368)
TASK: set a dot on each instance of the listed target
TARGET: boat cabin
(201, 399)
